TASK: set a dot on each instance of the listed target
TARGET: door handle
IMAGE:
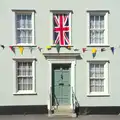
(61, 84)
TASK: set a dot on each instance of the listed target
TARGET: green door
(61, 83)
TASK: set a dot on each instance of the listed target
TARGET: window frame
(32, 12)
(33, 60)
(105, 13)
(52, 12)
(106, 78)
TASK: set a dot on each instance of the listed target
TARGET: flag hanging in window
(61, 29)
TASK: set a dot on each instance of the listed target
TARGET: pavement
(45, 117)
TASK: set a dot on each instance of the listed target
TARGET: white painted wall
(79, 40)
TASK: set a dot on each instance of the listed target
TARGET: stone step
(63, 115)
(64, 110)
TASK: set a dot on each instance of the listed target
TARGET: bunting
(48, 47)
(75, 49)
(21, 49)
(83, 49)
(31, 49)
(2, 46)
(39, 48)
(68, 47)
(12, 48)
(112, 49)
(58, 47)
(94, 50)
(102, 49)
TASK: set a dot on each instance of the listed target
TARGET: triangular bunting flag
(94, 50)
(21, 49)
(83, 49)
(58, 47)
(103, 49)
(93, 54)
(31, 49)
(12, 48)
(112, 49)
(39, 49)
(48, 47)
(2, 46)
(68, 47)
(75, 49)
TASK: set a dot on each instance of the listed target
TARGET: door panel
(61, 84)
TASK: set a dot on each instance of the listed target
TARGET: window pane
(97, 36)
(18, 21)
(24, 73)
(92, 36)
(19, 69)
(101, 21)
(25, 83)
(97, 77)
(20, 84)
(25, 87)
(96, 85)
(97, 70)
(96, 29)
(24, 28)
(91, 21)
(23, 25)
(24, 68)
(29, 36)
(24, 20)
(92, 85)
(92, 70)
(24, 36)
(30, 84)
(101, 39)
(97, 23)
(102, 70)
(28, 25)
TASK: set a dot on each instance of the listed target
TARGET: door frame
(72, 76)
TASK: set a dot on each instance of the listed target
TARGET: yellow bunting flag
(21, 49)
(69, 47)
(94, 50)
(48, 47)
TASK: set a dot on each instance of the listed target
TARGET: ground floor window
(98, 77)
(25, 75)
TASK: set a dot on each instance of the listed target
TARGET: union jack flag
(61, 29)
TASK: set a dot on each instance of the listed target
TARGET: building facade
(57, 53)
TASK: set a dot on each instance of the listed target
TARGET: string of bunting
(21, 48)
(93, 50)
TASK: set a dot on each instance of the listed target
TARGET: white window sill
(98, 95)
(100, 45)
(23, 45)
(25, 93)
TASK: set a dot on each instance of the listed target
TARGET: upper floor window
(61, 28)
(24, 27)
(98, 28)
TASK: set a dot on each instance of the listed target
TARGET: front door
(61, 84)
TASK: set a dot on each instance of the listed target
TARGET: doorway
(61, 84)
